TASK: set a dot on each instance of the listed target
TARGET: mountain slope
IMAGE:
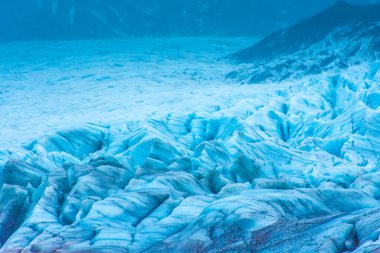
(337, 37)
(70, 19)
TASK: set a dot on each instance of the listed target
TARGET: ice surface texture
(178, 159)
(294, 171)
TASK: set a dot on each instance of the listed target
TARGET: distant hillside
(89, 19)
(342, 35)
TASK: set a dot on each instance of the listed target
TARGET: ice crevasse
(296, 170)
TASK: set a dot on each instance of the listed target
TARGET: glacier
(284, 166)
(183, 145)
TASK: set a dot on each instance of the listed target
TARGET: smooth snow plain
(144, 145)
(45, 86)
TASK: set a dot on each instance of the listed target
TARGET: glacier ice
(291, 167)
(147, 146)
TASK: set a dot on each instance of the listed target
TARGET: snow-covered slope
(338, 37)
(214, 167)
(72, 19)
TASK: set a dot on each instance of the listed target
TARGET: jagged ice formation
(176, 158)
(296, 170)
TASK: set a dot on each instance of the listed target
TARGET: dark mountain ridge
(342, 35)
